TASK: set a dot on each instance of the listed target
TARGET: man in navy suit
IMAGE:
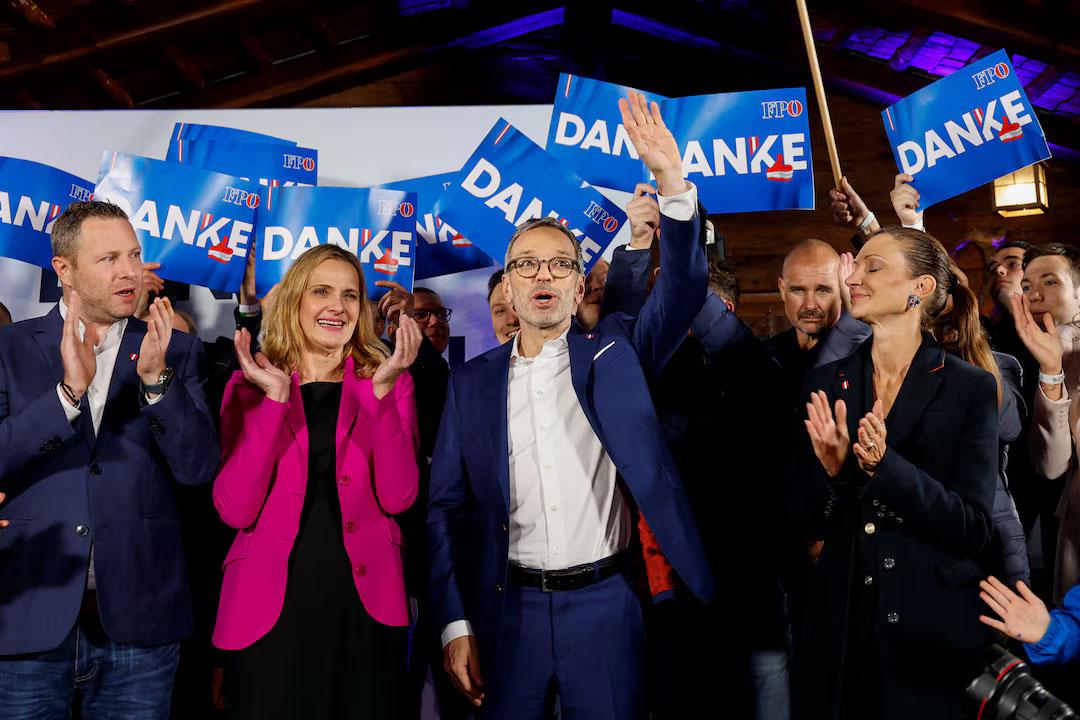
(547, 446)
(99, 414)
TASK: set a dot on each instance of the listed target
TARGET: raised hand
(155, 343)
(654, 143)
(643, 212)
(151, 283)
(848, 209)
(395, 303)
(258, 370)
(1043, 342)
(871, 445)
(845, 267)
(248, 296)
(828, 435)
(77, 354)
(461, 660)
(1023, 616)
(905, 200)
(406, 344)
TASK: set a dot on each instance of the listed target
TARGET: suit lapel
(494, 396)
(582, 347)
(916, 392)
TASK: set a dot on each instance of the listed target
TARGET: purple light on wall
(510, 30)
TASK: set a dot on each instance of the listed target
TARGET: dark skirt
(325, 657)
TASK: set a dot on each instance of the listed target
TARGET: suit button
(96, 469)
(361, 571)
(350, 526)
(82, 530)
(893, 618)
(498, 588)
(888, 563)
(344, 480)
(503, 527)
(868, 580)
(869, 528)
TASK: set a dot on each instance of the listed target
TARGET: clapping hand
(151, 283)
(828, 435)
(654, 143)
(1023, 616)
(845, 267)
(406, 344)
(258, 370)
(77, 354)
(3, 523)
(155, 343)
(871, 445)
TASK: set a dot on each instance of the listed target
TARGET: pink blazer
(260, 491)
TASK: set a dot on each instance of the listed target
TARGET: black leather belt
(573, 578)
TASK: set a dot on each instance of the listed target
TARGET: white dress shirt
(566, 507)
(105, 352)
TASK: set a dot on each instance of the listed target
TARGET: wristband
(867, 221)
(70, 394)
(1051, 379)
(917, 226)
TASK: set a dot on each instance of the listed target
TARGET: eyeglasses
(442, 314)
(559, 267)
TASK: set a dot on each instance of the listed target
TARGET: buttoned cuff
(456, 629)
(679, 207)
(70, 412)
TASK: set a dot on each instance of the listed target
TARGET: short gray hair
(547, 222)
(67, 229)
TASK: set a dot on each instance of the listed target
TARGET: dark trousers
(584, 646)
(92, 674)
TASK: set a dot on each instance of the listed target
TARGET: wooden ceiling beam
(185, 67)
(112, 88)
(32, 13)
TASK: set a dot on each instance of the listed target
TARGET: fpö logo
(989, 76)
(602, 217)
(80, 193)
(781, 108)
(391, 208)
(240, 198)
(298, 162)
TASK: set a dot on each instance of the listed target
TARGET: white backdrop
(357, 147)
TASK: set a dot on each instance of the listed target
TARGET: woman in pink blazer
(319, 453)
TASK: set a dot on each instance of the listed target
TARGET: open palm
(652, 140)
(1022, 616)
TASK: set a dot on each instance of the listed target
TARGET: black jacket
(916, 528)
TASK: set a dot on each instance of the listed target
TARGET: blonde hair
(283, 338)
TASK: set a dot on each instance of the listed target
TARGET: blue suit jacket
(468, 512)
(58, 475)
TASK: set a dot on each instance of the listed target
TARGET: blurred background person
(319, 451)
(504, 320)
(896, 473)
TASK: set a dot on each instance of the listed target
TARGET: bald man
(813, 292)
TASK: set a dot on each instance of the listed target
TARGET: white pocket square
(603, 350)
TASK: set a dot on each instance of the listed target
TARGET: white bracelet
(917, 226)
(1051, 379)
(867, 221)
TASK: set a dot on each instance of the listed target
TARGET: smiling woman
(313, 598)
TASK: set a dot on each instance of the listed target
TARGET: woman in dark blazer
(896, 474)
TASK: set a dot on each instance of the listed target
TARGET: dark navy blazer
(67, 488)
(468, 513)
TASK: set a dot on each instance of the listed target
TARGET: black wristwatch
(163, 382)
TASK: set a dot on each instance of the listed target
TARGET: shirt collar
(552, 348)
(110, 339)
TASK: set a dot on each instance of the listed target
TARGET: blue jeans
(769, 675)
(115, 682)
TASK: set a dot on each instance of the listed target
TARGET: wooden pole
(819, 90)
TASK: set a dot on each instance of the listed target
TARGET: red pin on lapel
(134, 356)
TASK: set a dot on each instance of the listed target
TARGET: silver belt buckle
(543, 582)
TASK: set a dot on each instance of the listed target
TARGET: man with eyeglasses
(548, 445)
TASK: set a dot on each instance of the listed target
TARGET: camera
(1006, 690)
